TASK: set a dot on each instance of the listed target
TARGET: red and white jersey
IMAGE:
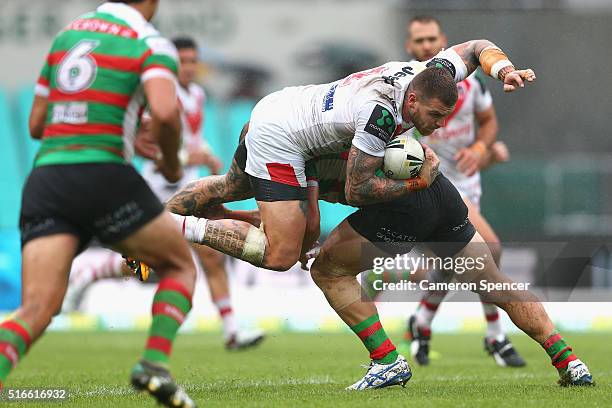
(363, 109)
(460, 132)
(191, 103)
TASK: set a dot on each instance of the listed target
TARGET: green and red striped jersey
(93, 79)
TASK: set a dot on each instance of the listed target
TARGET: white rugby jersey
(460, 132)
(191, 103)
(363, 109)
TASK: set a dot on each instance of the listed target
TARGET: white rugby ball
(404, 157)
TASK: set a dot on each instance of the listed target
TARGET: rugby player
(97, 264)
(463, 151)
(436, 215)
(361, 112)
(100, 70)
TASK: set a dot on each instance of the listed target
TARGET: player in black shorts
(438, 219)
(83, 187)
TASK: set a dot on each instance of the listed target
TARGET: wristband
(492, 60)
(479, 147)
(415, 184)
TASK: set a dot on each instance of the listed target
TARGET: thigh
(46, 262)
(345, 252)
(284, 223)
(480, 223)
(159, 244)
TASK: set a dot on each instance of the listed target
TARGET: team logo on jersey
(381, 123)
(442, 63)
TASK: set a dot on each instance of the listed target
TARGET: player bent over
(438, 216)
(289, 127)
(100, 69)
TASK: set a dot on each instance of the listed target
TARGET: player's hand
(430, 168)
(171, 172)
(144, 145)
(310, 254)
(500, 152)
(517, 78)
(470, 159)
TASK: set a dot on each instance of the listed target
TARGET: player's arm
(38, 114)
(364, 187)
(313, 223)
(474, 157)
(494, 62)
(165, 124)
(159, 70)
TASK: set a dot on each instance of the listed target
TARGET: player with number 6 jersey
(101, 70)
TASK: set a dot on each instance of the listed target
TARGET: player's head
(429, 99)
(188, 56)
(424, 37)
(147, 8)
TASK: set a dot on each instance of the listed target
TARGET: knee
(496, 250)
(281, 259)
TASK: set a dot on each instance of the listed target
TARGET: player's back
(322, 119)
(92, 79)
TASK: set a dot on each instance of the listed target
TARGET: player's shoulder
(197, 90)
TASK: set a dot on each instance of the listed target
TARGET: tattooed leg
(201, 198)
(277, 248)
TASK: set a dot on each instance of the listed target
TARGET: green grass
(308, 370)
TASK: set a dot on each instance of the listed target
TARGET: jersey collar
(125, 12)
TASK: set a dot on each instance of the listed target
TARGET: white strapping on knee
(193, 228)
(254, 246)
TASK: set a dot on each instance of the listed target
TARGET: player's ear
(444, 41)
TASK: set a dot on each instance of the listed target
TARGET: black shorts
(268, 190)
(436, 216)
(108, 201)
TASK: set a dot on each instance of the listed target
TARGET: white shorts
(163, 189)
(272, 159)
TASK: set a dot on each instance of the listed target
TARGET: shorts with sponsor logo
(436, 216)
(107, 201)
(277, 171)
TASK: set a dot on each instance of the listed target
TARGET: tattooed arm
(363, 187)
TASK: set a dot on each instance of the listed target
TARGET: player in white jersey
(361, 112)
(96, 264)
(462, 145)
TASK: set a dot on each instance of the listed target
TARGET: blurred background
(555, 189)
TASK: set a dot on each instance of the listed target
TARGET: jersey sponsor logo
(442, 63)
(328, 99)
(102, 26)
(381, 123)
(404, 72)
(74, 113)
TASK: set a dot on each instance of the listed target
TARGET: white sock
(95, 267)
(227, 315)
(193, 228)
(494, 328)
(428, 308)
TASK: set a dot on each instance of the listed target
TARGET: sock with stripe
(559, 352)
(427, 309)
(373, 336)
(171, 303)
(15, 340)
(224, 305)
(494, 328)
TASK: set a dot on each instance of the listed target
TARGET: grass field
(308, 370)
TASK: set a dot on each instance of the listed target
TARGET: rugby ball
(404, 157)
